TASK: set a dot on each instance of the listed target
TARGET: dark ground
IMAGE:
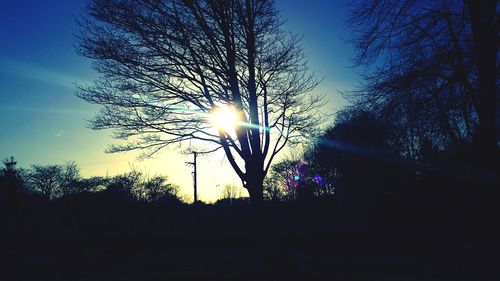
(80, 239)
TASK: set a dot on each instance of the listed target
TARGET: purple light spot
(319, 180)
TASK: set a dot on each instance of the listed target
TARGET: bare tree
(53, 181)
(45, 180)
(158, 188)
(230, 191)
(434, 69)
(220, 72)
(70, 179)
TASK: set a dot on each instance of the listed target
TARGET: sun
(224, 118)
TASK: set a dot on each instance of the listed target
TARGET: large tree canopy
(168, 66)
(433, 69)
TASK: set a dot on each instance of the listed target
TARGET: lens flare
(224, 118)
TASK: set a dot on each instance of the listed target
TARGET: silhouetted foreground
(101, 236)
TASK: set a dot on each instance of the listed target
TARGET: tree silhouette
(11, 183)
(230, 192)
(167, 67)
(158, 188)
(54, 181)
(45, 180)
(355, 155)
(433, 69)
(70, 177)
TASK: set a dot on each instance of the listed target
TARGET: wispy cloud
(37, 73)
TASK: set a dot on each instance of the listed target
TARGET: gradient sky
(43, 122)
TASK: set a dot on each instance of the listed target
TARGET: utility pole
(194, 177)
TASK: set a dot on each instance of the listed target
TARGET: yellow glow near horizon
(224, 118)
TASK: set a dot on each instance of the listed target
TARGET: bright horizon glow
(224, 118)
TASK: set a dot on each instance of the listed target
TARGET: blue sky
(43, 122)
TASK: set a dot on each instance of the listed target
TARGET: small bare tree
(158, 188)
(221, 72)
(54, 181)
(46, 180)
(230, 191)
(70, 179)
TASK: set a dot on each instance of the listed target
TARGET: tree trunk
(256, 192)
(482, 14)
(484, 30)
(255, 187)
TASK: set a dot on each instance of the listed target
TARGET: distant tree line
(60, 181)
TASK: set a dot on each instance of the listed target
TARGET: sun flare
(224, 118)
